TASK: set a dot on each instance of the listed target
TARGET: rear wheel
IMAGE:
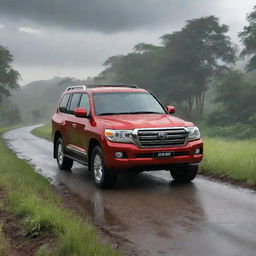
(102, 177)
(184, 173)
(64, 163)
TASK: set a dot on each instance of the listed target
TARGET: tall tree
(195, 55)
(236, 96)
(248, 37)
(8, 76)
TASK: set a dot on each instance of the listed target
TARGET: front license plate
(163, 154)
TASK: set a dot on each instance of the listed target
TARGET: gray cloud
(74, 37)
(100, 15)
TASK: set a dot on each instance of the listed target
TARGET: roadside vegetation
(235, 159)
(31, 198)
(229, 158)
(43, 131)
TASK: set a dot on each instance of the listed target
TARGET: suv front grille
(167, 137)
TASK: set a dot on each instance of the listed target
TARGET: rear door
(62, 117)
(71, 121)
(82, 124)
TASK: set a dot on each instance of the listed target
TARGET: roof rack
(84, 87)
(76, 87)
(113, 85)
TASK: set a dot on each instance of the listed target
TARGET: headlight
(193, 133)
(124, 136)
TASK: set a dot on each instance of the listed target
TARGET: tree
(248, 37)
(193, 57)
(236, 96)
(180, 69)
(8, 76)
(137, 67)
(9, 113)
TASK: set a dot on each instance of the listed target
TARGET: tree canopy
(180, 69)
(236, 96)
(8, 76)
(248, 37)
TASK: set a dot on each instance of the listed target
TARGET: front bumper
(142, 158)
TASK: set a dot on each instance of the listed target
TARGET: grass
(31, 197)
(4, 244)
(43, 131)
(235, 159)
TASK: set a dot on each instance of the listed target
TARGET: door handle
(74, 125)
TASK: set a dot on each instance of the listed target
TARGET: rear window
(85, 102)
(74, 102)
(64, 103)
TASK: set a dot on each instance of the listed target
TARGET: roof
(105, 88)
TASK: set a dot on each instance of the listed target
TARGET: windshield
(118, 103)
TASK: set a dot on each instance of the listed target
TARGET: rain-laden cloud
(74, 37)
(100, 15)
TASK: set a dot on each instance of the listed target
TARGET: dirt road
(154, 214)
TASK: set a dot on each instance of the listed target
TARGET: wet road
(157, 216)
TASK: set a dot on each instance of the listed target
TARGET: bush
(237, 131)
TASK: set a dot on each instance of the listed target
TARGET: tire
(184, 174)
(64, 163)
(102, 177)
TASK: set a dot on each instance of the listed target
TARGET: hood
(130, 122)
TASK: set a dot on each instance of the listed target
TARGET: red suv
(114, 128)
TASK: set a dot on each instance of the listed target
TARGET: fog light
(119, 154)
(197, 151)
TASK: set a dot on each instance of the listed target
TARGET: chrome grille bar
(151, 137)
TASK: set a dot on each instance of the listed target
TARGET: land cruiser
(118, 128)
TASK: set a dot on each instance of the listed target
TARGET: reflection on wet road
(158, 216)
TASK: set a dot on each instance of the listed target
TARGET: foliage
(9, 113)
(236, 96)
(236, 131)
(181, 68)
(193, 57)
(248, 37)
(8, 76)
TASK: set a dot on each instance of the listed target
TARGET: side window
(85, 102)
(74, 102)
(63, 103)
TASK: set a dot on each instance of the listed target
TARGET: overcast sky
(73, 37)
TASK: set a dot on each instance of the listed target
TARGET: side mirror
(170, 109)
(80, 112)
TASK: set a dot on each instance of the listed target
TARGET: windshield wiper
(145, 112)
(106, 114)
(130, 113)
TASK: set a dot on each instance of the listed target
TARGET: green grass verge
(43, 131)
(234, 159)
(31, 197)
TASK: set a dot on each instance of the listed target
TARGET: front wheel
(184, 173)
(64, 163)
(102, 177)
